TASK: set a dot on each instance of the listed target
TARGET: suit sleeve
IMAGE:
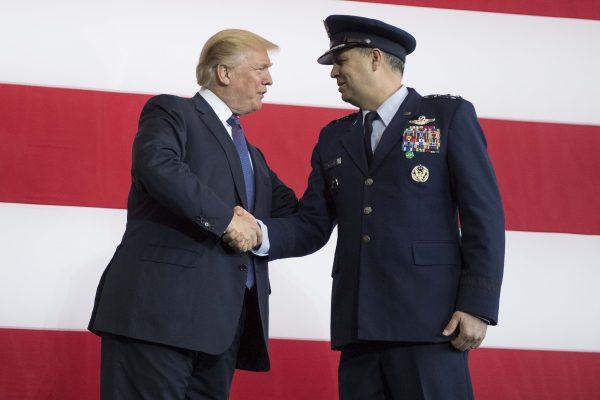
(158, 164)
(481, 216)
(310, 228)
(283, 199)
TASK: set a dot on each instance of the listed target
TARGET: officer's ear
(376, 59)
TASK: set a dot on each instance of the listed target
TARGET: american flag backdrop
(75, 74)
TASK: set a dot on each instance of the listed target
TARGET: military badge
(443, 96)
(334, 184)
(421, 139)
(420, 173)
(422, 120)
(409, 154)
(333, 163)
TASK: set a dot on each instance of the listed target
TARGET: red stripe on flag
(65, 365)
(66, 147)
(582, 9)
(72, 147)
(547, 174)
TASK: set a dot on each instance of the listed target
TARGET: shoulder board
(346, 118)
(442, 96)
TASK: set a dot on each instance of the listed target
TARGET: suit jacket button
(243, 268)
(368, 181)
(367, 210)
(366, 238)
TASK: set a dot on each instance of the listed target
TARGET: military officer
(420, 250)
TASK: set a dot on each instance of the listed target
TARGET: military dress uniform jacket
(402, 266)
(172, 280)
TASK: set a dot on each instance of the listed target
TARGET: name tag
(333, 163)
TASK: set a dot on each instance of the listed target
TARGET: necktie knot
(234, 120)
(370, 117)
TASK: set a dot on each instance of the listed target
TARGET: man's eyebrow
(262, 65)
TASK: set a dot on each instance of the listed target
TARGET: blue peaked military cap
(347, 31)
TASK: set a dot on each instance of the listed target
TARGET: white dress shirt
(223, 113)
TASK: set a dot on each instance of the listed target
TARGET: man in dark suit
(178, 310)
(420, 249)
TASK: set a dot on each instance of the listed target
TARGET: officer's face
(248, 81)
(352, 71)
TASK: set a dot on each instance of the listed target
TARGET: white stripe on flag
(53, 257)
(510, 66)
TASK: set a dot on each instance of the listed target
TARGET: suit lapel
(261, 174)
(393, 133)
(214, 125)
(354, 143)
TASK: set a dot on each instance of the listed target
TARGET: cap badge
(422, 120)
(420, 173)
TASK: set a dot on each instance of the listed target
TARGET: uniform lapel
(393, 133)
(214, 125)
(354, 143)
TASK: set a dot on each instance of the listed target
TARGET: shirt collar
(219, 107)
(390, 106)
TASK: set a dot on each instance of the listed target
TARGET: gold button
(368, 181)
(367, 210)
(366, 238)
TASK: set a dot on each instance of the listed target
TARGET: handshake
(243, 233)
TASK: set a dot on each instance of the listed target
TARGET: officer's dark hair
(394, 62)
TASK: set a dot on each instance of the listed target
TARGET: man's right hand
(243, 232)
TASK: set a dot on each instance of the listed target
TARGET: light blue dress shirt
(386, 112)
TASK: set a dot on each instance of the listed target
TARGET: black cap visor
(345, 40)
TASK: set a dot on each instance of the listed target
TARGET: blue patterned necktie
(239, 140)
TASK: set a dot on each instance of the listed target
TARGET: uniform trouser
(134, 369)
(377, 371)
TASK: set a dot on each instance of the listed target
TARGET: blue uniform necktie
(369, 118)
(239, 140)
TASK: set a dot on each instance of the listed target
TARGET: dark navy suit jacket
(172, 280)
(402, 266)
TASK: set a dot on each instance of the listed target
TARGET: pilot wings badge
(422, 120)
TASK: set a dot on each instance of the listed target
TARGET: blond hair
(225, 47)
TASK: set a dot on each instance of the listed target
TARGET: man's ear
(223, 74)
(376, 59)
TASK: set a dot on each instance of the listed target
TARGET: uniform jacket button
(366, 238)
(368, 181)
(367, 210)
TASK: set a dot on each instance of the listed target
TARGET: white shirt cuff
(263, 250)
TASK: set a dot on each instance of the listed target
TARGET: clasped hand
(243, 232)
